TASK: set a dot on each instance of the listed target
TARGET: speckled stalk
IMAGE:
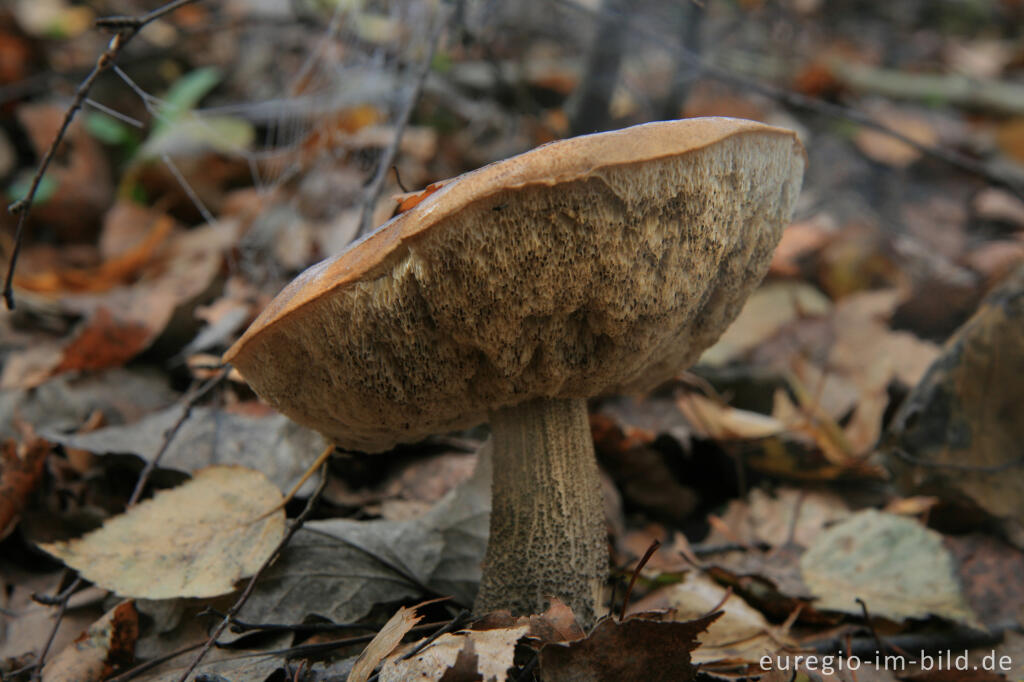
(548, 534)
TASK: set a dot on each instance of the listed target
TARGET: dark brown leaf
(632, 650)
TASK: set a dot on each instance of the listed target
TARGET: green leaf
(18, 189)
(109, 130)
(185, 94)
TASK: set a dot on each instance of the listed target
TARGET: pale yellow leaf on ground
(384, 643)
(195, 540)
(897, 566)
(486, 652)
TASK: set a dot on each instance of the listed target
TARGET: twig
(632, 581)
(870, 625)
(62, 607)
(237, 606)
(150, 664)
(126, 28)
(453, 624)
(61, 600)
(242, 626)
(190, 402)
(376, 185)
(800, 101)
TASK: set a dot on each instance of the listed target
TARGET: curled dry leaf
(195, 540)
(740, 637)
(101, 651)
(384, 643)
(633, 650)
(21, 466)
(958, 435)
(488, 653)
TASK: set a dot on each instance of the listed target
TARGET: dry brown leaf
(714, 420)
(998, 205)
(886, 149)
(131, 317)
(195, 540)
(493, 651)
(767, 311)
(1010, 137)
(741, 636)
(106, 648)
(799, 242)
(632, 650)
(769, 519)
(21, 467)
(997, 259)
(384, 643)
(117, 270)
(959, 434)
(32, 622)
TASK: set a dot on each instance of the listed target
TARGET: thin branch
(189, 402)
(62, 607)
(376, 185)
(244, 597)
(126, 28)
(61, 600)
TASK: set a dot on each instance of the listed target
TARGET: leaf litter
(152, 247)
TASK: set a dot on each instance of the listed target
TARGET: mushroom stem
(548, 536)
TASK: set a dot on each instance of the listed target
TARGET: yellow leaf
(195, 540)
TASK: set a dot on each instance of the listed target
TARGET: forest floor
(834, 492)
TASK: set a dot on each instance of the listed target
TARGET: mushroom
(593, 265)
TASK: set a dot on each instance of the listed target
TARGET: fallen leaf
(374, 562)
(800, 241)
(739, 637)
(103, 342)
(409, 201)
(989, 570)
(27, 624)
(897, 566)
(766, 312)
(21, 467)
(135, 316)
(117, 270)
(106, 648)
(958, 434)
(634, 650)
(389, 637)
(714, 420)
(195, 540)
(789, 515)
(884, 148)
(487, 653)
(63, 403)
(273, 444)
(999, 206)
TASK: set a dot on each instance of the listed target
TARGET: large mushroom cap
(591, 265)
